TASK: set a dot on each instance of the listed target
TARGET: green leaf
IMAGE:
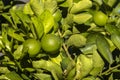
(25, 77)
(3, 77)
(98, 64)
(11, 32)
(47, 20)
(14, 17)
(82, 5)
(116, 40)
(110, 2)
(17, 53)
(67, 3)
(82, 17)
(37, 6)
(8, 18)
(88, 49)
(75, 30)
(48, 65)
(67, 33)
(76, 40)
(91, 38)
(23, 17)
(112, 29)
(13, 76)
(50, 5)
(84, 65)
(60, 1)
(27, 9)
(66, 64)
(104, 48)
(42, 76)
(116, 10)
(4, 70)
(89, 78)
(1, 43)
(5, 40)
(1, 6)
(67, 22)
(33, 31)
(71, 74)
(111, 77)
(99, 1)
(38, 26)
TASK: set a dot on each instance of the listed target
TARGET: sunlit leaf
(38, 26)
(37, 6)
(8, 19)
(13, 76)
(76, 40)
(11, 32)
(50, 5)
(50, 66)
(98, 63)
(27, 9)
(82, 17)
(47, 20)
(18, 52)
(42, 76)
(81, 6)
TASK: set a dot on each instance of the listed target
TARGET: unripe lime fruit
(33, 46)
(51, 43)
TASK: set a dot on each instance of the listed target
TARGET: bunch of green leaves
(88, 52)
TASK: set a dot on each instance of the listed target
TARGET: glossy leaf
(67, 3)
(14, 17)
(98, 63)
(116, 10)
(18, 52)
(13, 76)
(112, 29)
(23, 17)
(104, 48)
(76, 40)
(110, 2)
(88, 49)
(37, 6)
(50, 66)
(50, 5)
(100, 2)
(8, 19)
(116, 40)
(83, 66)
(81, 18)
(4, 70)
(71, 74)
(11, 32)
(27, 9)
(47, 20)
(81, 6)
(42, 76)
(38, 26)
(5, 40)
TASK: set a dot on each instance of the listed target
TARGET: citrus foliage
(60, 40)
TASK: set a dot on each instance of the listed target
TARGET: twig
(65, 47)
(110, 69)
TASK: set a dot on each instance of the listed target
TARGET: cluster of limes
(50, 43)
